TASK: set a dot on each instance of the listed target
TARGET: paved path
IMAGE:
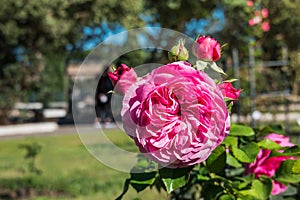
(66, 129)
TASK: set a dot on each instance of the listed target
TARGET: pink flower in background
(265, 165)
(122, 78)
(265, 26)
(265, 13)
(251, 22)
(250, 3)
(207, 49)
(229, 91)
(282, 140)
(257, 13)
(176, 115)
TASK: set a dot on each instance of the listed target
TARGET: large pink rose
(207, 49)
(176, 115)
(122, 78)
(264, 165)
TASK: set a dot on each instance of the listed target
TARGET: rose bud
(229, 91)
(178, 52)
(122, 78)
(207, 49)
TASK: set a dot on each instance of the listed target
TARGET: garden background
(44, 42)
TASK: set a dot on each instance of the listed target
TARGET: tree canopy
(38, 34)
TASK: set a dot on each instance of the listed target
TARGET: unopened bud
(178, 52)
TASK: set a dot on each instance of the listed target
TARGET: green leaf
(291, 190)
(140, 181)
(285, 173)
(230, 141)
(240, 130)
(216, 162)
(277, 128)
(296, 167)
(247, 153)
(262, 189)
(269, 144)
(226, 197)
(243, 182)
(259, 190)
(174, 178)
(251, 149)
(292, 151)
(203, 174)
(232, 161)
(211, 191)
(240, 155)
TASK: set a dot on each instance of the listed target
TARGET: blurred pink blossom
(265, 13)
(257, 13)
(249, 3)
(265, 26)
(251, 22)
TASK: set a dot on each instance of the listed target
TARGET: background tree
(36, 35)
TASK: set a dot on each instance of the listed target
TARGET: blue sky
(95, 35)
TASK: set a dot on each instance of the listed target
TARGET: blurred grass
(68, 169)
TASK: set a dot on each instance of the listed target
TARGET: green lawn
(67, 168)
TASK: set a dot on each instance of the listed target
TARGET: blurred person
(103, 102)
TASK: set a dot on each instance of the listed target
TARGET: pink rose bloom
(229, 91)
(122, 78)
(207, 49)
(176, 115)
(263, 165)
(265, 13)
(249, 3)
(265, 26)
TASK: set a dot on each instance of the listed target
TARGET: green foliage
(240, 130)
(247, 153)
(260, 190)
(174, 178)
(285, 173)
(216, 162)
(224, 174)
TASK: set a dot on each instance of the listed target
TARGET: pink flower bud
(122, 78)
(207, 49)
(229, 91)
